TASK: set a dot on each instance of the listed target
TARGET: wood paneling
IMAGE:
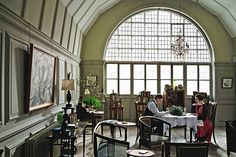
(48, 16)
(33, 12)
(66, 30)
(57, 32)
(78, 41)
(1, 90)
(16, 6)
(62, 76)
(72, 36)
(18, 63)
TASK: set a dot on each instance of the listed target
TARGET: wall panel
(72, 36)
(66, 30)
(1, 91)
(18, 63)
(16, 6)
(48, 16)
(61, 77)
(74, 93)
(33, 12)
(57, 32)
(78, 41)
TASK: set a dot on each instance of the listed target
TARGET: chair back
(153, 131)
(140, 109)
(185, 149)
(106, 143)
(230, 135)
(212, 106)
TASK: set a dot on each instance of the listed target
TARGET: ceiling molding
(85, 12)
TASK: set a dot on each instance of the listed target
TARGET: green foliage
(59, 118)
(176, 110)
(92, 101)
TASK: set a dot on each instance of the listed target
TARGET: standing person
(204, 125)
(152, 110)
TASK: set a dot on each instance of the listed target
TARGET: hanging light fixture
(180, 47)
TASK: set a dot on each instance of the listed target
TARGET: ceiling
(85, 12)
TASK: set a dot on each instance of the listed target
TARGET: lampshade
(67, 85)
(86, 91)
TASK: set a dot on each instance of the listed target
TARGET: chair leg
(228, 152)
(214, 138)
(185, 132)
(137, 134)
(84, 141)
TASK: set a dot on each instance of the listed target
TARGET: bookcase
(173, 97)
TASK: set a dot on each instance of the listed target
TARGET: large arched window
(138, 55)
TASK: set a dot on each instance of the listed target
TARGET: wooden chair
(230, 135)
(148, 131)
(212, 115)
(140, 109)
(105, 142)
(212, 106)
(185, 149)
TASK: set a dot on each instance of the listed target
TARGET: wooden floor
(177, 135)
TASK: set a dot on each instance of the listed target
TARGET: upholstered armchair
(230, 135)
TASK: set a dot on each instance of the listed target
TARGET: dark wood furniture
(205, 97)
(105, 142)
(65, 139)
(212, 116)
(185, 149)
(173, 97)
(144, 97)
(140, 108)
(140, 105)
(116, 107)
(230, 136)
(149, 128)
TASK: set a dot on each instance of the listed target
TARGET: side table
(140, 152)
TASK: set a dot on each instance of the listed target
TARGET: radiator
(37, 145)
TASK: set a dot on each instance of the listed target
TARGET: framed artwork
(91, 81)
(227, 82)
(41, 79)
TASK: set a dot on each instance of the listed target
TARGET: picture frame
(227, 82)
(41, 79)
(91, 81)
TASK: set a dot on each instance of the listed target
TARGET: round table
(125, 123)
(140, 152)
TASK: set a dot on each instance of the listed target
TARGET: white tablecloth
(189, 120)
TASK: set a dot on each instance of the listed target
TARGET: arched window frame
(174, 62)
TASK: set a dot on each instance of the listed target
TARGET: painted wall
(38, 22)
(94, 44)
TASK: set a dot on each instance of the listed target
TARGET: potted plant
(176, 110)
(92, 102)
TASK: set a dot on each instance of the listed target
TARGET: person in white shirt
(152, 107)
(152, 110)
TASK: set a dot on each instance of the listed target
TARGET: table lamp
(68, 84)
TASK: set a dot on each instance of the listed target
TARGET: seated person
(82, 113)
(204, 125)
(152, 110)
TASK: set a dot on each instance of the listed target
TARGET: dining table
(186, 119)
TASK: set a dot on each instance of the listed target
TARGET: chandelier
(180, 47)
